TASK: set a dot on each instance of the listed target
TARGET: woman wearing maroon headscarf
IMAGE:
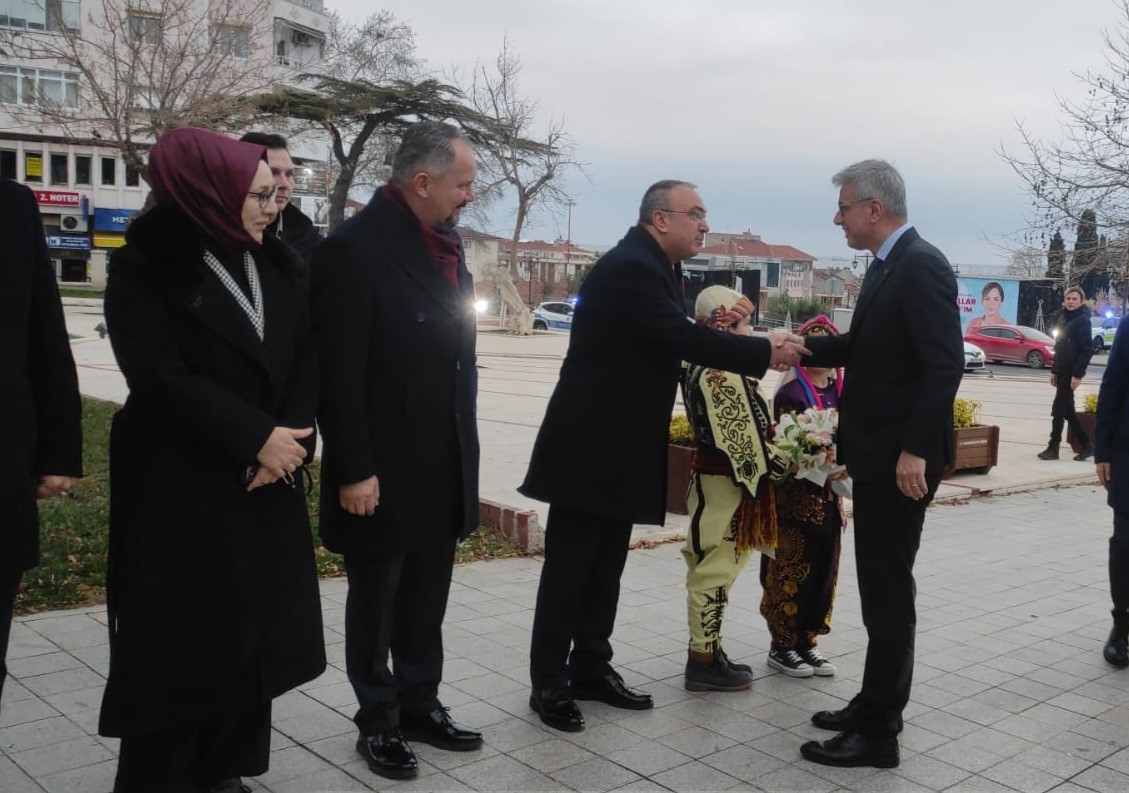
(211, 584)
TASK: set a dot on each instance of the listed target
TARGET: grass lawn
(74, 530)
(78, 291)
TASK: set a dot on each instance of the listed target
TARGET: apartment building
(86, 192)
(781, 269)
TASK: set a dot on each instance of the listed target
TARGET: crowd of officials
(239, 331)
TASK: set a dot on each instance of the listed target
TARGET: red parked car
(1014, 343)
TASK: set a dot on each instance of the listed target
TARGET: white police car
(556, 315)
(1103, 330)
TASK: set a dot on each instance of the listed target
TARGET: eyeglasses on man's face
(844, 207)
(265, 196)
(696, 215)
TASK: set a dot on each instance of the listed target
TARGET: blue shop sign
(112, 219)
(68, 243)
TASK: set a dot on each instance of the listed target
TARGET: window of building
(59, 169)
(53, 16)
(144, 28)
(8, 163)
(82, 169)
(109, 171)
(132, 177)
(33, 166)
(234, 39)
(27, 86)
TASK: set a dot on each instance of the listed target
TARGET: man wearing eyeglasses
(600, 456)
(903, 360)
(290, 225)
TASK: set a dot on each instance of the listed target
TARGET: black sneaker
(790, 663)
(1086, 453)
(821, 667)
(1049, 453)
(715, 675)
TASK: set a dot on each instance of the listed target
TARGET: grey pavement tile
(44, 663)
(648, 758)
(44, 732)
(1058, 717)
(965, 753)
(1083, 747)
(1103, 780)
(330, 780)
(97, 778)
(1027, 728)
(1060, 764)
(794, 778)
(316, 724)
(642, 786)
(945, 724)
(595, 774)
(61, 682)
(490, 684)
(744, 762)
(502, 773)
(917, 739)
(978, 784)
(930, 772)
(696, 742)
(887, 782)
(1021, 775)
(49, 759)
(696, 776)
(294, 762)
(1114, 734)
(14, 779)
(25, 710)
(70, 703)
(1118, 761)
(658, 722)
(552, 755)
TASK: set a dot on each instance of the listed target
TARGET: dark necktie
(870, 281)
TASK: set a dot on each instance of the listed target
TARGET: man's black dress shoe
(850, 749)
(231, 785)
(846, 719)
(388, 755)
(438, 730)
(557, 708)
(611, 690)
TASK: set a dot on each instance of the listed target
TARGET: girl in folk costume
(799, 583)
(730, 499)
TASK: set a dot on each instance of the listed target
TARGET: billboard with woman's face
(984, 302)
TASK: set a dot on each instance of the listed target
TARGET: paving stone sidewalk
(1010, 691)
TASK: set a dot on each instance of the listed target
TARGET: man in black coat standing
(291, 224)
(394, 317)
(1111, 459)
(40, 409)
(903, 360)
(614, 399)
(1073, 349)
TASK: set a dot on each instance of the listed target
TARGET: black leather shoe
(611, 690)
(388, 755)
(437, 729)
(736, 667)
(850, 749)
(231, 785)
(846, 719)
(1116, 650)
(557, 709)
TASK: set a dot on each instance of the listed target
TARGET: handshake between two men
(787, 350)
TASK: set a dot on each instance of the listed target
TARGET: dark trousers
(9, 588)
(1119, 567)
(887, 535)
(395, 607)
(190, 758)
(1062, 411)
(577, 597)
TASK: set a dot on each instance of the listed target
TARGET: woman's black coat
(212, 591)
(396, 342)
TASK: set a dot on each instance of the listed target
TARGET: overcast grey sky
(760, 101)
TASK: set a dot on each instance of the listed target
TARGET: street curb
(519, 526)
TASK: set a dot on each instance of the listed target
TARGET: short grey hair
(876, 179)
(427, 146)
(658, 197)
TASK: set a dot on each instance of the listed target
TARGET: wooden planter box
(1087, 420)
(976, 448)
(677, 477)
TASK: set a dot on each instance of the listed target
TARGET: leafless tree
(508, 161)
(147, 66)
(1027, 262)
(1088, 166)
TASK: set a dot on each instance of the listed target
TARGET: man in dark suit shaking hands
(40, 410)
(903, 362)
(613, 404)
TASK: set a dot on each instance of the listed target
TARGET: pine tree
(1056, 257)
(1086, 270)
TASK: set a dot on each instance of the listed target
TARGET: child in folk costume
(730, 500)
(799, 582)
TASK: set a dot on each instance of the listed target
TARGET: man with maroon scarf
(394, 317)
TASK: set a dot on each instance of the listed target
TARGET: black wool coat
(1111, 428)
(1074, 344)
(903, 361)
(396, 344)
(298, 231)
(212, 591)
(40, 411)
(603, 443)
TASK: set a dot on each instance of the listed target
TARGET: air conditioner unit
(300, 39)
(75, 223)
